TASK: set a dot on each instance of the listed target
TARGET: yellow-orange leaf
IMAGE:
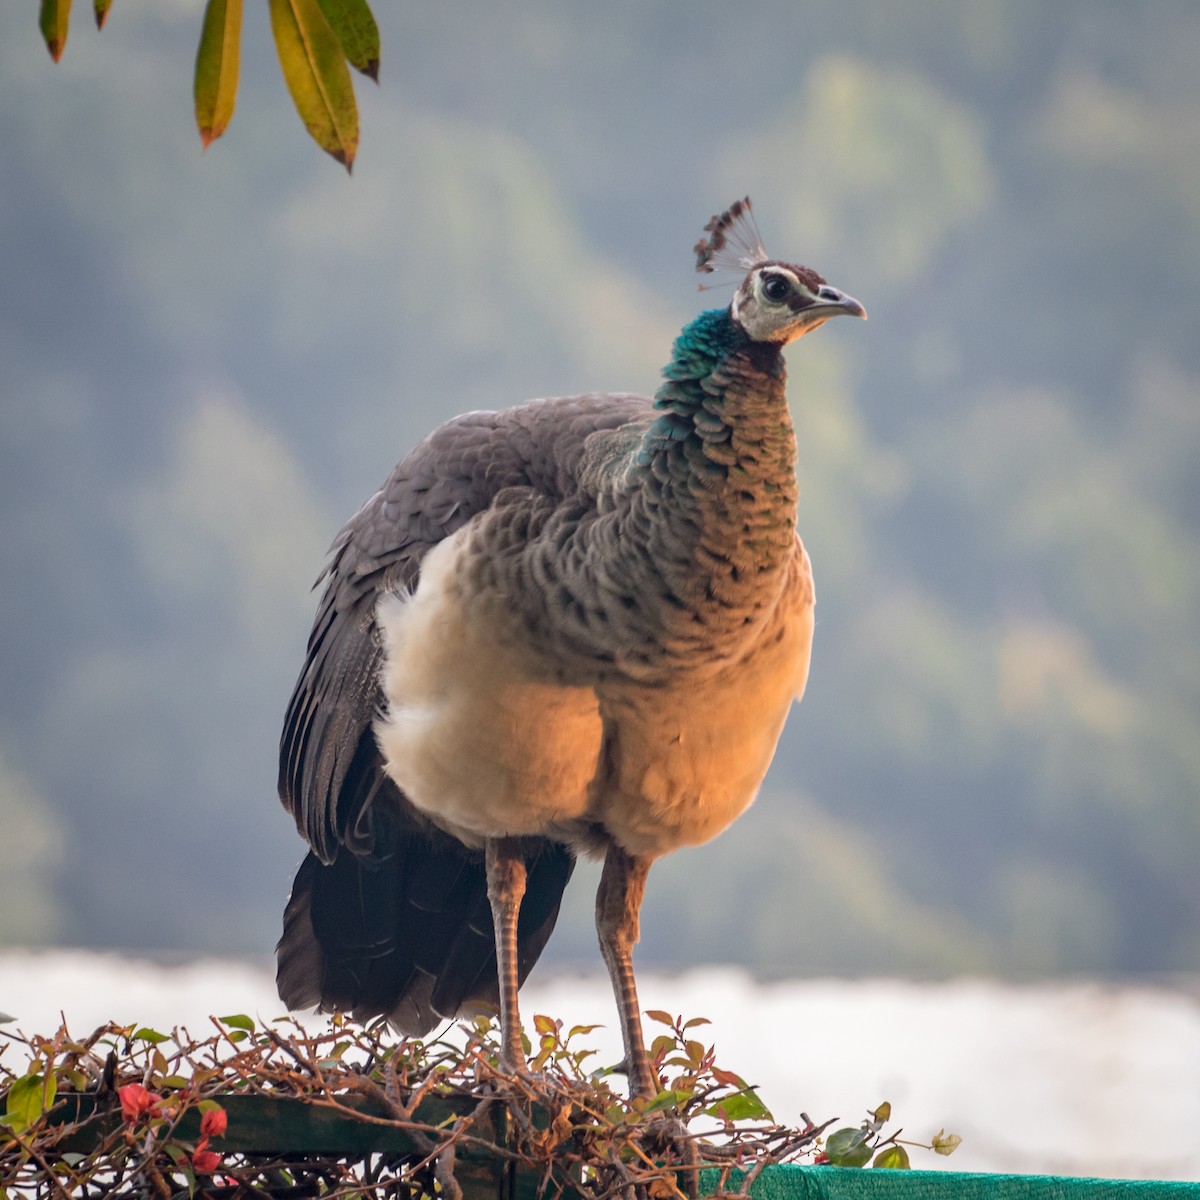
(354, 24)
(53, 20)
(217, 58)
(314, 68)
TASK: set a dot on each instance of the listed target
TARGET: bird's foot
(666, 1139)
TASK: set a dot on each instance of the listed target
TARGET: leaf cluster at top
(317, 42)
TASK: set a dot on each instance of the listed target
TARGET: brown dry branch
(334, 1113)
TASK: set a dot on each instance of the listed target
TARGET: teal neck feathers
(723, 413)
(723, 441)
(698, 351)
(688, 547)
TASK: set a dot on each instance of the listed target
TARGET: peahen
(573, 626)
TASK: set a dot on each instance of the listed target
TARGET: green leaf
(848, 1148)
(946, 1143)
(215, 84)
(883, 1114)
(314, 68)
(28, 1098)
(545, 1025)
(741, 1106)
(892, 1158)
(355, 27)
(149, 1035)
(102, 7)
(5, 1018)
(53, 20)
(584, 1030)
(667, 1099)
(663, 1044)
(238, 1021)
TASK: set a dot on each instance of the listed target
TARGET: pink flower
(213, 1123)
(136, 1101)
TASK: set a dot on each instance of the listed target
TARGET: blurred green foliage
(209, 364)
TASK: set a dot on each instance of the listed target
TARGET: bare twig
(567, 1129)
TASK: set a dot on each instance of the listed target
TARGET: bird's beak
(830, 302)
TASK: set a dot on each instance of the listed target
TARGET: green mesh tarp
(845, 1183)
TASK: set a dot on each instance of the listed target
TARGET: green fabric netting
(844, 1183)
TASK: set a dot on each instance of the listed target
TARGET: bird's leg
(622, 884)
(506, 888)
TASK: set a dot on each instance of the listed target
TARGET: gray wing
(330, 770)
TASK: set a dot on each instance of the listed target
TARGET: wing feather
(361, 930)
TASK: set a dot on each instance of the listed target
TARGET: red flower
(136, 1101)
(213, 1122)
(205, 1161)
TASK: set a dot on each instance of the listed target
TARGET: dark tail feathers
(408, 936)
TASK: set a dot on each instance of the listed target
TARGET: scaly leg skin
(505, 889)
(618, 901)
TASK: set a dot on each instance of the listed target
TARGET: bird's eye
(775, 288)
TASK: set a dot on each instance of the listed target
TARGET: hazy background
(208, 361)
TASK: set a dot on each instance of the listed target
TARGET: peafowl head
(776, 301)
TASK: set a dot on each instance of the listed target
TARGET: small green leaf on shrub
(54, 20)
(892, 1158)
(28, 1098)
(152, 1036)
(946, 1143)
(355, 27)
(663, 1044)
(741, 1106)
(215, 84)
(848, 1148)
(667, 1099)
(238, 1021)
(883, 1114)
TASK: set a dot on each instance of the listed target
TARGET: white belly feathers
(485, 748)
(471, 740)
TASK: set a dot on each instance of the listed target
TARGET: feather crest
(733, 244)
